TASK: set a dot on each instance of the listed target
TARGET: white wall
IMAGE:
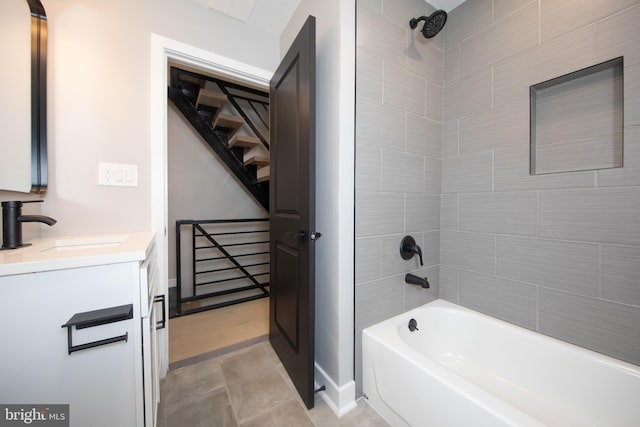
(98, 100)
(335, 86)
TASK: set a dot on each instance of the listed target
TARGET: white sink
(85, 243)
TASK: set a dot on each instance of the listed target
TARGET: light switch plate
(117, 174)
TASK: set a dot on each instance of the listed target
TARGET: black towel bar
(89, 319)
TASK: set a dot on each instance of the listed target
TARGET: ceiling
(447, 5)
(270, 16)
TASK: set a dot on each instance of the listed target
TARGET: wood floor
(201, 333)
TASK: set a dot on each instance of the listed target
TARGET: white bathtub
(462, 368)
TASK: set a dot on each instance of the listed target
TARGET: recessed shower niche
(577, 120)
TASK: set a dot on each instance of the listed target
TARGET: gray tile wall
(556, 253)
(442, 153)
(398, 160)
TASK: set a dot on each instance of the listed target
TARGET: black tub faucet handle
(408, 248)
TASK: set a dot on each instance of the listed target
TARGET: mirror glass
(23, 100)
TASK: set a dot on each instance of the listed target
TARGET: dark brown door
(292, 211)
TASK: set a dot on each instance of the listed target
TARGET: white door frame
(163, 51)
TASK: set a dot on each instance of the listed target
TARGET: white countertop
(58, 253)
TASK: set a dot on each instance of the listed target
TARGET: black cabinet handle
(160, 324)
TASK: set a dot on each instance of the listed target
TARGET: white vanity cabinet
(152, 308)
(113, 384)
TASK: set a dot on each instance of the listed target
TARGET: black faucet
(12, 220)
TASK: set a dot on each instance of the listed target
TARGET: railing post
(178, 271)
(193, 259)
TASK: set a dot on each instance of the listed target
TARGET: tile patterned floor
(246, 388)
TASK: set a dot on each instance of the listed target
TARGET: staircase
(233, 120)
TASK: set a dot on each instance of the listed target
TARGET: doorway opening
(218, 191)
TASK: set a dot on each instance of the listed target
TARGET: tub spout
(412, 279)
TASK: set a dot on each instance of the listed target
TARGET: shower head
(432, 23)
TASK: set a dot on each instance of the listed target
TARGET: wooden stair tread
(192, 79)
(211, 98)
(229, 122)
(244, 141)
(264, 173)
(257, 160)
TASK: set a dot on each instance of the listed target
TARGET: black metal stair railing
(229, 262)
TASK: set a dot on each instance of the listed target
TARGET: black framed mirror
(23, 104)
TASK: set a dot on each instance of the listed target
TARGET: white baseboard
(340, 399)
